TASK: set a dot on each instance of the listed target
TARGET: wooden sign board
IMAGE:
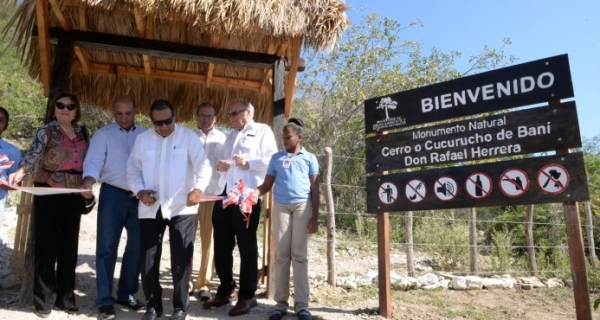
(559, 178)
(520, 85)
(502, 135)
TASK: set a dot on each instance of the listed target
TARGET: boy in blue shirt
(13, 154)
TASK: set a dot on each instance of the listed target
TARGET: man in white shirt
(106, 162)
(246, 154)
(212, 140)
(168, 171)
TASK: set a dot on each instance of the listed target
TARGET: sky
(537, 29)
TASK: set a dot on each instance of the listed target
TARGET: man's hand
(147, 197)
(223, 165)
(194, 197)
(313, 224)
(240, 162)
(88, 183)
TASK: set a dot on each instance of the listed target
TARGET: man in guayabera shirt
(246, 154)
(168, 171)
(106, 162)
(212, 140)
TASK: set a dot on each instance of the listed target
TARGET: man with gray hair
(246, 154)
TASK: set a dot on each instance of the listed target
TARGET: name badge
(287, 162)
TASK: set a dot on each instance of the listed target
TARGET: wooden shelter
(185, 51)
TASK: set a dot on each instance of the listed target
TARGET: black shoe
(132, 303)
(42, 313)
(304, 315)
(178, 314)
(152, 314)
(69, 310)
(106, 313)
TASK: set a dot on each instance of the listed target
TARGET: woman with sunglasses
(58, 150)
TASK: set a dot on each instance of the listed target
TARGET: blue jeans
(117, 210)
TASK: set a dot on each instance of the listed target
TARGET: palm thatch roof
(98, 75)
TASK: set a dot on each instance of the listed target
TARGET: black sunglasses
(160, 123)
(69, 107)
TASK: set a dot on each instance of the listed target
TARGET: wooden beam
(170, 75)
(141, 32)
(267, 73)
(83, 20)
(290, 88)
(155, 48)
(61, 70)
(214, 42)
(41, 11)
(62, 20)
(84, 59)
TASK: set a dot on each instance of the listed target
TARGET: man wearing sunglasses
(106, 162)
(168, 171)
(246, 155)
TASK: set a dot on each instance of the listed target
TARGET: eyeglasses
(69, 107)
(235, 113)
(160, 123)
(205, 116)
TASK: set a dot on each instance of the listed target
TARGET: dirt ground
(326, 302)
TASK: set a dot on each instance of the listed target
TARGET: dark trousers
(229, 226)
(182, 231)
(57, 219)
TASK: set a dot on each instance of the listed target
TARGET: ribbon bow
(244, 197)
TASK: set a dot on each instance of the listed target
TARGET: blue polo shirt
(13, 154)
(292, 175)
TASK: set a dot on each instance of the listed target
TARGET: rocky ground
(327, 302)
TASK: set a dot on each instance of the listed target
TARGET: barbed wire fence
(441, 237)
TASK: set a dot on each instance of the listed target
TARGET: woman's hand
(16, 177)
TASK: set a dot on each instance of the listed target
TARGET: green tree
(371, 60)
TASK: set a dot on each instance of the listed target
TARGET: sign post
(500, 138)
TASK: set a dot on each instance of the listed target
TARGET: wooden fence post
(590, 234)
(331, 275)
(473, 241)
(410, 253)
(530, 243)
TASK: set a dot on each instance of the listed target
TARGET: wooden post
(590, 234)
(383, 254)
(530, 242)
(410, 253)
(278, 114)
(576, 252)
(331, 273)
(473, 240)
(61, 69)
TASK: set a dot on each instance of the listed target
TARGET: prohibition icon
(553, 179)
(415, 191)
(445, 188)
(514, 182)
(478, 185)
(388, 193)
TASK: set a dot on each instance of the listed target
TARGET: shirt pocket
(179, 165)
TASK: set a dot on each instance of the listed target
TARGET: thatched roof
(97, 76)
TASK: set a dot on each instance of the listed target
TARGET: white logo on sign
(445, 188)
(388, 193)
(514, 182)
(387, 104)
(553, 179)
(415, 190)
(479, 185)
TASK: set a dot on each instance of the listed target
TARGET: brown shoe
(216, 302)
(243, 307)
